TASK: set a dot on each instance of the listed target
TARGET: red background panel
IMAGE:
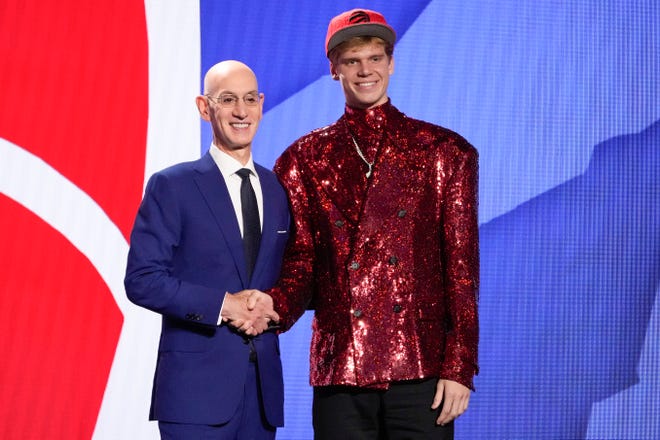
(74, 84)
(59, 327)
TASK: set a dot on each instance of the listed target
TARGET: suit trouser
(401, 412)
(249, 422)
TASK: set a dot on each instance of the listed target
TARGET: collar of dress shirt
(228, 165)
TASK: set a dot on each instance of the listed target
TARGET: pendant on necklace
(364, 159)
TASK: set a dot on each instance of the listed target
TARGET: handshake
(249, 311)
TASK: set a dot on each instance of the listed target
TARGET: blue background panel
(561, 100)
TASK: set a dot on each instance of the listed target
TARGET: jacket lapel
(340, 172)
(214, 190)
(268, 231)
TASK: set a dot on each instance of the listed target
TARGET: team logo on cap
(359, 17)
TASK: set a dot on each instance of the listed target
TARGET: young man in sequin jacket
(385, 251)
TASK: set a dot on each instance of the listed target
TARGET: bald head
(233, 105)
(224, 70)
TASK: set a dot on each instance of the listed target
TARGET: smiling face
(234, 121)
(363, 69)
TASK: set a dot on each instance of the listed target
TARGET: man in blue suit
(197, 246)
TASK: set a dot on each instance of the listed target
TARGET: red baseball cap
(357, 23)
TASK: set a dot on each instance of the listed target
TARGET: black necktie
(251, 223)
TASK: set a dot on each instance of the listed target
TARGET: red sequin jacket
(390, 263)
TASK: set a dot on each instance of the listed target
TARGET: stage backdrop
(560, 98)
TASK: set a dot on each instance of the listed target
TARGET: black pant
(401, 412)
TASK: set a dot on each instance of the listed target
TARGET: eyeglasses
(230, 100)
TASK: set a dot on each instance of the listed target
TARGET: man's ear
(333, 72)
(203, 107)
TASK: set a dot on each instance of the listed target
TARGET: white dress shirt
(228, 167)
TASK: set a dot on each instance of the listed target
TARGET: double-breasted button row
(393, 260)
(397, 308)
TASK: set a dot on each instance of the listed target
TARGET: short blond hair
(333, 55)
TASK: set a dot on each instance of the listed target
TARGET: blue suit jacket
(186, 252)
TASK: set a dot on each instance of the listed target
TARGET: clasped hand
(249, 311)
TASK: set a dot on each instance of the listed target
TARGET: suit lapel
(268, 232)
(214, 190)
(340, 172)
